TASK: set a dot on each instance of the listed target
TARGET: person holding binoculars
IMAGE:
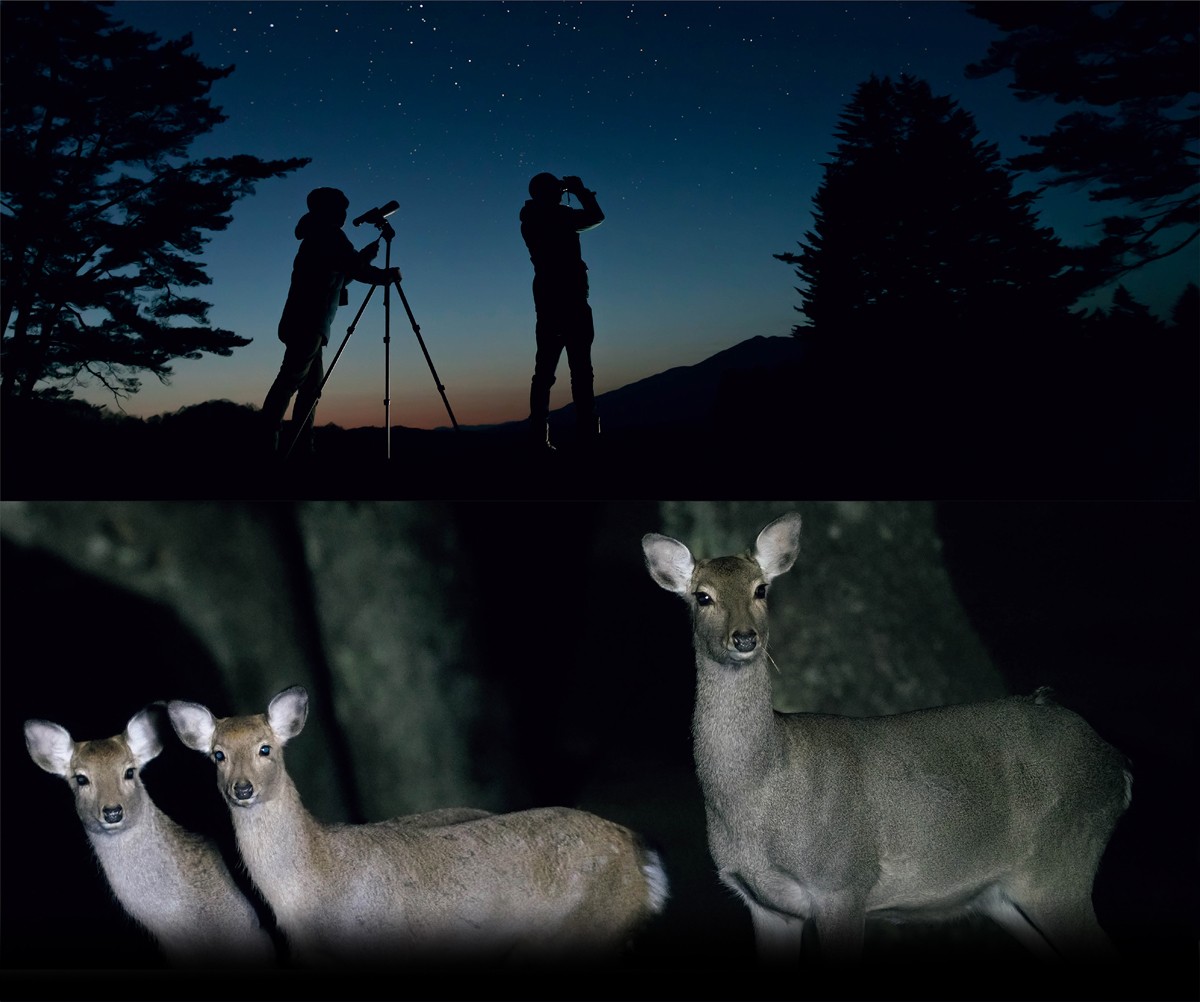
(560, 298)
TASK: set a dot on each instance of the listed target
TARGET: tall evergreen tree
(1127, 324)
(104, 215)
(1185, 314)
(919, 241)
(1132, 73)
(1134, 316)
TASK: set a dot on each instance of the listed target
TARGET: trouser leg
(549, 351)
(298, 359)
(579, 358)
(307, 395)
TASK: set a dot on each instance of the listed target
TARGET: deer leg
(1018, 925)
(776, 936)
(1069, 923)
(841, 928)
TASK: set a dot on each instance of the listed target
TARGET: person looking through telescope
(324, 265)
(560, 298)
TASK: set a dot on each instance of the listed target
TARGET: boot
(538, 432)
(269, 441)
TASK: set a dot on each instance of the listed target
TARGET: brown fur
(1003, 807)
(552, 883)
(173, 882)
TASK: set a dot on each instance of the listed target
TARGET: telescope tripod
(386, 233)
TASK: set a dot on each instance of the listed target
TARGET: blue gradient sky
(702, 128)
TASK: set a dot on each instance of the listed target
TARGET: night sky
(702, 128)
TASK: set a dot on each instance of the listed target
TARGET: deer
(1002, 807)
(173, 883)
(543, 885)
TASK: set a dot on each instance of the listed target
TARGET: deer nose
(243, 790)
(745, 641)
(112, 814)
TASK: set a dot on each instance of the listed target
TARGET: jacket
(324, 265)
(551, 232)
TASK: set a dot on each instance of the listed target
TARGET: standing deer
(545, 884)
(1002, 807)
(171, 881)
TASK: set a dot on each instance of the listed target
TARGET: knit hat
(546, 185)
(327, 200)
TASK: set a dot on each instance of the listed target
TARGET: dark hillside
(755, 418)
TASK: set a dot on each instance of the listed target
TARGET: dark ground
(660, 462)
(759, 430)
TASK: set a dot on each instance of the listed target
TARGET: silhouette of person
(560, 297)
(324, 265)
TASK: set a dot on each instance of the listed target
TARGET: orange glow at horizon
(364, 410)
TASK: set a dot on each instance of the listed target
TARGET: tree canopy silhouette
(1137, 61)
(104, 215)
(919, 242)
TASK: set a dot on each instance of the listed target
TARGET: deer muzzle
(744, 641)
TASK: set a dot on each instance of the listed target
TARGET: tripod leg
(328, 373)
(425, 351)
(387, 363)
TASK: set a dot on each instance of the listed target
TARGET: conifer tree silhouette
(919, 242)
(1185, 314)
(938, 308)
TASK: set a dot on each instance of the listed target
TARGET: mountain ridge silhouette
(680, 393)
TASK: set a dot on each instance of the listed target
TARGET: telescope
(377, 215)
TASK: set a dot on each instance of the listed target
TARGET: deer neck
(137, 861)
(733, 726)
(279, 841)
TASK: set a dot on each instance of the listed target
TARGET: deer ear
(669, 562)
(194, 724)
(50, 746)
(141, 734)
(778, 545)
(288, 711)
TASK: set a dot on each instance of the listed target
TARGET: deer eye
(81, 779)
(703, 598)
(265, 750)
(129, 773)
(218, 756)
(760, 591)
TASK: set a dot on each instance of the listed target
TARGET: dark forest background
(514, 654)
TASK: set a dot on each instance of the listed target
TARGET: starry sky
(702, 127)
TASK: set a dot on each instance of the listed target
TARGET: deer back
(451, 881)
